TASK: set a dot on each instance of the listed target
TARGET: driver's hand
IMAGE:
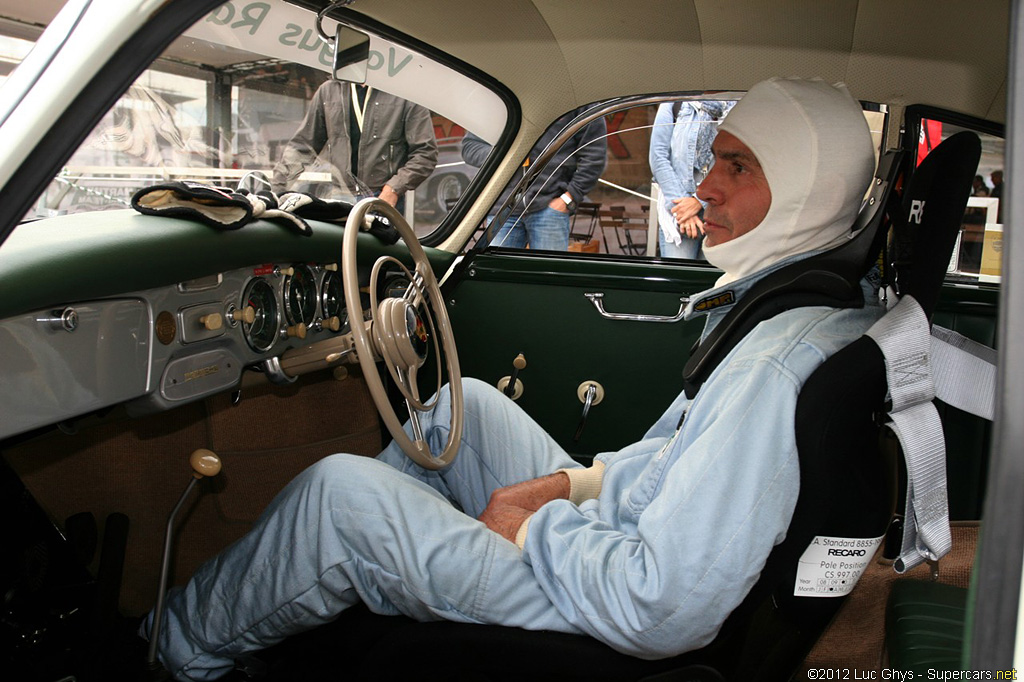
(509, 507)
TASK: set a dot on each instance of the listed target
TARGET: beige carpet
(140, 467)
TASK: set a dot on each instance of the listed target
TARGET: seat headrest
(934, 202)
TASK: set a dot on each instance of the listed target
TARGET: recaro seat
(843, 493)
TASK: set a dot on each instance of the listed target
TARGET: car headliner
(558, 54)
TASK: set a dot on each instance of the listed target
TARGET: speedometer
(263, 331)
(300, 296)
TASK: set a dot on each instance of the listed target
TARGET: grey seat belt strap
(904, 337)
(964, 372)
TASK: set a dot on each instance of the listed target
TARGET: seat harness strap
(965, 372)
(904, 337)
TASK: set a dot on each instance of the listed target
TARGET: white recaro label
(830, 567)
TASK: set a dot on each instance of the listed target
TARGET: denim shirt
(680, 151)
(687, 516)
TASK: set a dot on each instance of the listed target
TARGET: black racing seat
(844, 492)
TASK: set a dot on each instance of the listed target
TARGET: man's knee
(476, 390)
(336, 473)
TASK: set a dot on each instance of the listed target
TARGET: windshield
(245, 101)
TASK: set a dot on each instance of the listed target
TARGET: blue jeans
(687, 248)
(546, 229)
(380, 530)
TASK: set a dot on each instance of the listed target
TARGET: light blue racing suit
(683, 525)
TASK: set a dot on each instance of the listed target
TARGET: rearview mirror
(351, 54)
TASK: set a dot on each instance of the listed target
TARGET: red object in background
(929, 138)
(446, 130)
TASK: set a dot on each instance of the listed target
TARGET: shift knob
(204, 463)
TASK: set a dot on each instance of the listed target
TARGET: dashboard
(162, 347)
(110, 308)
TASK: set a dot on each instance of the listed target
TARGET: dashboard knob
(331, 267)
(285, 272)
(246, 314)
(333, 323)
(298, 330)
(212, 321)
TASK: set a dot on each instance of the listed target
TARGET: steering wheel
(396, 334)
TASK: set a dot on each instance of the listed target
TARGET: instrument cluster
(290, 302)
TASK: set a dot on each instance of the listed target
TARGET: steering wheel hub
(418, 336)
(402, 337)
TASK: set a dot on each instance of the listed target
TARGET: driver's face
(736, 191)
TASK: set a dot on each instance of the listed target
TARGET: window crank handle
(590, 393)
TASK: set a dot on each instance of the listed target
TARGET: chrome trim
(276, 375)
(598, 300)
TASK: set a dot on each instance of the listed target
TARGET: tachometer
(332, 301)
(263, 331)
(300, 296)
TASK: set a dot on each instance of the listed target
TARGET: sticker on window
(830, 567)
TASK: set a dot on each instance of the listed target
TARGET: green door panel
(505, 304)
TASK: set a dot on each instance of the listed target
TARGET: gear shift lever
(204, 463)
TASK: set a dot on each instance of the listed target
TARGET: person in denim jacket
(680, 156)
(651, 547)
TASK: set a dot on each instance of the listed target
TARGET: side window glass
(977, 255)
(622, 185)
(631, 178)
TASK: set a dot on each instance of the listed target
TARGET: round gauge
(263, 331)
(300, 296)
(332, 298)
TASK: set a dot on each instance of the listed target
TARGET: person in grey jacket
(647, 550)
(385, 141)
(541, 217)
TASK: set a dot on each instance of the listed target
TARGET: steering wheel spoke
(416, 285)
(414, 423)
(401, 334)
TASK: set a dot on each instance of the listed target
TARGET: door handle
(598, 300)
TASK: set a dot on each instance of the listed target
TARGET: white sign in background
(271, 28)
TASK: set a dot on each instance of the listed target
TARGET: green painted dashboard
(101, 254)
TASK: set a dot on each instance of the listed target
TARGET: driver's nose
(709, 190)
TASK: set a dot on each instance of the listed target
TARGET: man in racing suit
(649, 549)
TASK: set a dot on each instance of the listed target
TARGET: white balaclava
(814, 146)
